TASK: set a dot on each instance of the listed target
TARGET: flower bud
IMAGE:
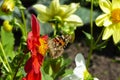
(6, 26)
(8, 6)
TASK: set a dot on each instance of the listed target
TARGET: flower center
(115, 15)
(87, 76)
(42, 48)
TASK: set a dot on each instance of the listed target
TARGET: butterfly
(56, 45)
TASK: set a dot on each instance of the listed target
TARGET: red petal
(45, 37)
(33, 76)
(40, 58)
(28, 65)
(35, 64)
(23, 78)
(30, 41)
(35, 26)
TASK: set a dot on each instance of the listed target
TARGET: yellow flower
(110, 19)
(6, 26)
(8, 6)
(60, 13)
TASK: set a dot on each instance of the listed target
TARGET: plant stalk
(24, 22)
(19, 64)
(98, 39)
(4, 64)
(91, 32)
(5, 57)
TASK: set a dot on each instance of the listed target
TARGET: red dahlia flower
(38, 47)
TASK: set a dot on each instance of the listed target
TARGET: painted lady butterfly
(56, 45)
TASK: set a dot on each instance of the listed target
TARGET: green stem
(5, 57)
(100, 45)
(24, 22)
(4, 64)
(91, 31)
(21, 27)
(98, 39)
(55, 26)
(19, 64)
(55, 31)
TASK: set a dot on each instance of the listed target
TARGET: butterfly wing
(56, 45)
(55, 49)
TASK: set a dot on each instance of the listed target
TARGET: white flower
(80, 72)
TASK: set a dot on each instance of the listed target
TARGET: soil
(105, 63)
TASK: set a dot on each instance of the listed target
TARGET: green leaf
(46, 66)
(45, 76)
(64, 64)
(7, 39)
(88, 35)
(17, 65)
(68, 72)
(88, 39)
(68, 29)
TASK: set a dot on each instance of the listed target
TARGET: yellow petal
(63, 9)
(105, 5)
(54, 7)
(8, 6)
(71, 9)
(40, 8)
(107, 22)
(74, 19)
(116, 34)
(115, 4)
(100, 19)
(44, 15)
(107, 32)
(44, 18)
